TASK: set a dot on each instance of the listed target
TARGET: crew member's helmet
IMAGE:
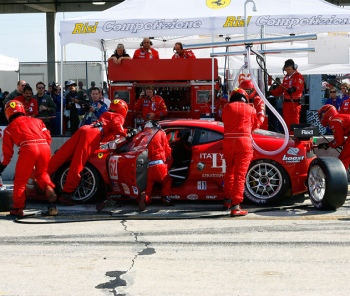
(238, 95)
(119, 106)
(248, 86)
(13, 107)
(325, 113)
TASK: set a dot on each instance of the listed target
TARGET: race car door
(127, 167)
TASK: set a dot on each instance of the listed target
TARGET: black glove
(323, 146)
(131, 133)
(2, 168)
(291, 90)
(268, 93)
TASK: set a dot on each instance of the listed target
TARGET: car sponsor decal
(218, 161)
(192, 196)
(292, 156)
(129, 156)
(200, 166)
(212, 175)
(211, 197)
(173, 196)
(202, 185)
(100, 155)
(126, 188)
(116, 187)
(135, 190)
(113, 167)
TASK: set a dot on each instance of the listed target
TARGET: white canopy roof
(200, 21)
(8, 63)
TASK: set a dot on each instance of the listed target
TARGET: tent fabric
(201, 21)
(159, 18)
(8, 63)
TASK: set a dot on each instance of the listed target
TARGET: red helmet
(13, 107)
(325, 113)
(248, 86)
(238, 94)
(119, 106)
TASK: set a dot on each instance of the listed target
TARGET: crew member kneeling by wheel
(239, 120)
(33, 139)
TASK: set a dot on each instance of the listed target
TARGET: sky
(23, 36)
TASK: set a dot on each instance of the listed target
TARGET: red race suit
(259, 105)
(31, 106)
(186, 54)
(154, 105)
(292, 102)
(146, 54)
(84, 142)
(159, 154)
(239, 121)
(345, 107)
(33, 140)
(340, 126)
(219, 104)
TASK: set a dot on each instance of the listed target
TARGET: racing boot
(227, 204)
(66, 199)
(166, 200)
(50, 194)
(52, 210)
(17, 212)
(236, 211)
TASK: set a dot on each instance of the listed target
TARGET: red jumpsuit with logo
(239, 121)
(259, 105)
(154, 105)
(31, 106)
(84, 142)
(340, 126)
(345, 107)
(291, 104)
(159, 154)
(219, 104)
(146, 54)
(33, 140)
(186, 54)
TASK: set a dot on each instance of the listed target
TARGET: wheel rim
(264, 181)
(316, 182)
(87, 186)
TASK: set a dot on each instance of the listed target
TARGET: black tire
(327, 183)
(266, 182)
(91, 187)
(6, 200)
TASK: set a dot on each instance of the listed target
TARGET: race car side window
(202, 136)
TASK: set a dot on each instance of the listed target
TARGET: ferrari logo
(217, 4)
(116, 101)
(13, 104)
(100, 155)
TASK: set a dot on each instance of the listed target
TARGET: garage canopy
(8, 63)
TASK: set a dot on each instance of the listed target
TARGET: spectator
(159, 155)
(95, 108)
(119, 55)
(145, 51)
(17, 92)
(219, 104)
(152, 106)
(84, 143)
(181, 53)
(93, 84)
(239, 120)
(74, 100)
(34, 140)
(344, 91)
(47, 107)
(292, 88)
(30, 104)
(254, 100)
(340, 125)
(80, 86)
(56, 122)
(334, 100)
(50, 89)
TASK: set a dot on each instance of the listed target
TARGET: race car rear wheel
(91, 186)
(266, 182)
(327, 183)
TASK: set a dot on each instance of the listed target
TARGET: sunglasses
(332, 92)
(40, 87)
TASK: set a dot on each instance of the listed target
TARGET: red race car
(199, 167)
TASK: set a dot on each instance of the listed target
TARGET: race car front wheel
(327, 183)
(90, 187)
(266, 182)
